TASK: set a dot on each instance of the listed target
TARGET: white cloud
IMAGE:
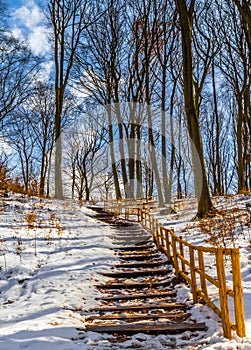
(17, 32)
(28, 23)
(38, 39)
(29, 15)
(45, 71)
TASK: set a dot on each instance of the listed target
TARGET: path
(139, 296)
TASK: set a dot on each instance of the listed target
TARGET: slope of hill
(51, 255)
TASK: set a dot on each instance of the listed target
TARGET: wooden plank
(136, 273)
(193, 274)
(175, 259)
(224, 307)
(124, 224)
(128, 239)
(143, 264)
(146, 241)
(203, 281)
(238, 296)
(144, 252)
(142, 316)
(164, 306)
(148, 328)
(139, 296)
(103, 215)
(140, 285)
(135, 247)
(139, 257)
(132, 228)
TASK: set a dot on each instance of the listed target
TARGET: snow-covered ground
(51, 256)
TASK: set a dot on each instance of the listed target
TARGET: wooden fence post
(156, 230)
(225, 316)
(162, 237)
(183, 265)
(202, 274)
(150, 223)
(238, 297)
(167, 244)
(175, 259)
(193, 275)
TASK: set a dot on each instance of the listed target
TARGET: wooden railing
(129, 208)
(190, 263)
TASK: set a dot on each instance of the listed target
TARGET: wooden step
(146, 241)
(143, 264)
(144, 252)
(96, 208)
(104, 216)
(136, 273)
(134, 238)
(124, 224)
(142, 316)
(139, 257)
(133, 227)
(135, 247)
(138, 296)
(164, 306)
(167, 328)
(140, 285)
(127, 241)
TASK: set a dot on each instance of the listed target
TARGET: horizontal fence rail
(189, 262)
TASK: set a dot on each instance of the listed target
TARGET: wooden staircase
(139, 297)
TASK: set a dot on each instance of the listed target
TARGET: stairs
(139, 297)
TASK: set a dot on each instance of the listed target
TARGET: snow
(51, 256)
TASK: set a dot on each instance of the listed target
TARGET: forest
(145, 99)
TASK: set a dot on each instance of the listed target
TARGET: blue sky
(15, 3)
(27, 23)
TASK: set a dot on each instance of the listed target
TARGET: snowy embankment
(51, 254)
(48, 269)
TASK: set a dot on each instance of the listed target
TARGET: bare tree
(69, 19)
(85, 152)
(186, 15)
(41, 118)
(235, 65)
(99, 73)
(23, 140)
(245, 13)
(18, 70)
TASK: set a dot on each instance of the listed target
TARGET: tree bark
(205, 206)
(112, 154)
(218, 176)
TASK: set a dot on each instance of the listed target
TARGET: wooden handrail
(189, 263)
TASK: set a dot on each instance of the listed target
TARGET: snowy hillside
(51, 256)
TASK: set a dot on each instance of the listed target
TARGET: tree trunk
(131, 148)
(218, 175)
(154, 164)
(168, 194)
(112, 154)
(139, 193)
(240, 166)
(73, 184)
(205, 206)
(87, 188)
(42, 173)
(245, 12)
(49, 174)
(58, 158)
